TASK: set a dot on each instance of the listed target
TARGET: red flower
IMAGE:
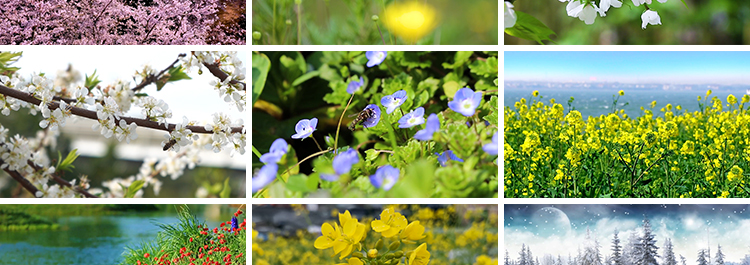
(191, 239)
(146, 255)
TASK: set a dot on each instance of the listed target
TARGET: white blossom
(510, 15)
(650, 17)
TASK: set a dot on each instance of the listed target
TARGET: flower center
(467, 104)
(412, 120)
(412, 20)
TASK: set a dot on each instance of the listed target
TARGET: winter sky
(561, 229)
(679, 67)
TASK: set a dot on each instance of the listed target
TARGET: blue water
(82, 240)
(593, 102)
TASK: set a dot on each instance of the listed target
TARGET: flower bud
(289, 22)
(394, 246)
(389, 256)
(398, 254)
(379, 244)
(375, 18)
(372, 253)
(408, 254)
(256, 35)
(357, 254)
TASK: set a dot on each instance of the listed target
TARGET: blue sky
(561, 229)
(691, 67)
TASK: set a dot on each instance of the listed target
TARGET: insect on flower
(362, 116)
(169, 145)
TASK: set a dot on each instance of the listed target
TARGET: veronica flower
(392, 102)
(411, 119)
(432, 126)
(342, 164)
(447, 155)
(375, 118)
(265, 176)
(354, 85)
(278, 149)
(375, 58)
(385, 177)
(465, 101)
(491, 148)
(305, 128)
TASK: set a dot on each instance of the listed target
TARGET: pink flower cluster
(118, 22)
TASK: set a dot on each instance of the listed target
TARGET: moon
(550, 221)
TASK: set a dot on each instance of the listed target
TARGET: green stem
(381, 33)
(273, 30)
(336, 141)
(299, 24)
(296, 165)
(316, 143)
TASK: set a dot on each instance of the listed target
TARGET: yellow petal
(379, 226)
(343, 218)
(346, 252)
(323, 242)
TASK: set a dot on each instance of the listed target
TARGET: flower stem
(290, 168)
(316, 143)
(386, 20)
(381, 33)
(336, 141)
(273, 30)
(299, 23)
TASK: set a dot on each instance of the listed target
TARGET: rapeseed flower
(410, 20)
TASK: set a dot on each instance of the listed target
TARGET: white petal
(574, 8)
(588, 15)
(510, 15)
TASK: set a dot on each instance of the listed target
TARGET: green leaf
(459, 59)
(226, 190)
(134, 187)
(261, 66)
(67, 163)
(175, 73)
(6, 59)
(305, 77)
(530, 28)
(297, 183)
(92, 81)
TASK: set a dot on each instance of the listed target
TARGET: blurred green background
(337, 22)
(701, 22)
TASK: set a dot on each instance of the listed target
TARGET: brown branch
(76, 189)
(92, 114)
(153, 78)
(21, 180)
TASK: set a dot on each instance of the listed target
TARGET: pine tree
(669, 258)
(507, 258)
(702, 257)
(719, 258)
(684, 261)
(616, 250)
(559, 260)
(522, 260)
(631, 251)
(530, 258)
(647, 246)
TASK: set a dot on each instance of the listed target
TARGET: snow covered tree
(591, 254)
(719, 258)
(507, 258)
(631, 250)
(669, 258)
(648, 246)
(702, 257)
(522, 259)
(745, 260)
(684, 261)
(616, 250)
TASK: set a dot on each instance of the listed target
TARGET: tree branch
(21, 180)
(154, 78)
(92, 114)
(217, 72)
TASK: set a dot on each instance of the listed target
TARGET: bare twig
(217, 72)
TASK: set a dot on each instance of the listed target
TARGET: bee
(171, 143)
(362, 116)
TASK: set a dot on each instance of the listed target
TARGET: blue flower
(374, 118)
(342, 164)
(375, 58)
(265, 176)
(235, 225)
(354, 85)
(491, 148)
(465, 101)
(433, 124)
(411, 119)
(305, 128)
(385, 177)
(392, 102)
(278, 149)
(447, 155)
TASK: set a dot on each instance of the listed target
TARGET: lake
(83, 239)
(592, 102)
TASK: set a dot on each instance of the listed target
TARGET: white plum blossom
(126, 131)
(605, 4)
(648, 2)
(586, 13)
(650, 17)
(510, 15)
(109, 110)
(155, 109)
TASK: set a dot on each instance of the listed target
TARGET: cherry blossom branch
(153, 78)
(20, 179)
(218, 73)
(92, 114)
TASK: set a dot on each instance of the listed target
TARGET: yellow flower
(621, 93)
(486, 260)
(413, 232)
(410, 20)
(372, 253)
(329, 237)
(735, 174)
(352, 233)
(420, 256)
(390, 223)
(353, 261)
(535, 93)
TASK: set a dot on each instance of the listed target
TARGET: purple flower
(491, 148)
(432, 125)
(375, 58)
(305, 128)
(447, 155)
(465, 101)
(385, 177)
(278, 149)
(374, 118)
(342, 164)
(235, 225)
(411, 119)
(265, 176)
(354, 85)
(392, 102)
